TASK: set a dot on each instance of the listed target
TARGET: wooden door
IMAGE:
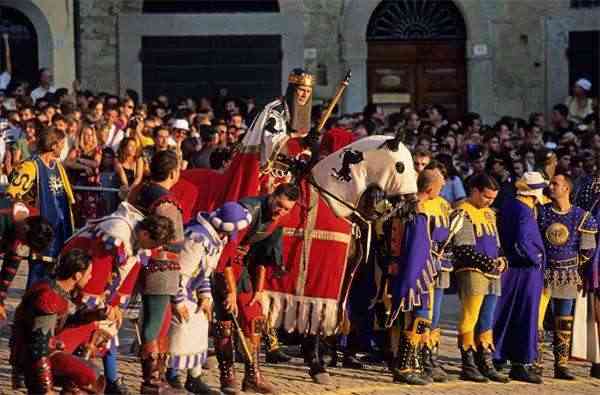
(418, 74)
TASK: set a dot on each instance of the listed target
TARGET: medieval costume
(43, 342)
(14, 248)
(477, 265)
(410, 289)
(116, 263)
(49, 190)
(515, 328)
(438, 215)
(570, 242)
(586, 326)
(160, 282)
(285, 121)
(241, 271)
(188, 340)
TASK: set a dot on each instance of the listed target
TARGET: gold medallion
(557, 234)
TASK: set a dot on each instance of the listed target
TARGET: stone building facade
(515, 53)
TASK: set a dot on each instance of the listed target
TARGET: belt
(563, 263)
(162, 266)
(43, 258)
(164, 255)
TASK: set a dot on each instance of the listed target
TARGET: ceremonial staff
(338, 95)
(242, 338)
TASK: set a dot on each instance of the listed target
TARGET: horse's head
(376, 162)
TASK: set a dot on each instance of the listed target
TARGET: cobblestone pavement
(293, 379)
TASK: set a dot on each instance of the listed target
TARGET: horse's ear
(400, 167)
(393, 144)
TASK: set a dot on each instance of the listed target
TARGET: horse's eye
(400, 167)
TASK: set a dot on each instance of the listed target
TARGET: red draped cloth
(335, 139)
(206, 190)
(315, 252)
(315, 244)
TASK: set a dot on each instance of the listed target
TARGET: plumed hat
(531, 183)
(230, 218)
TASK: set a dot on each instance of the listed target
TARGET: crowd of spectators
(110, 139)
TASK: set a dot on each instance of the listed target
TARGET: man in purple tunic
(515, 328)
(413, 280)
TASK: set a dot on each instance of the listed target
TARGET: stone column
(480, 81)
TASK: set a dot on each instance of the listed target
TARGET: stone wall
(518, 44)
(98, 52)
(322, 22)
(517, 76)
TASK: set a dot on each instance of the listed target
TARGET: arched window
(416, 20)
(209, 6)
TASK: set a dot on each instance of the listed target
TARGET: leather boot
(253, 379)
(312, 357)
(404, 368)
(277, 356)
(521, 372)
(177, 379)
(224, 350)
(595, 370)
(274, 353)
(196, 385)
(431, 366)
(563, 328)
(152, 382)
(486, 367)
(353, 346)
(408, 366)
(70, 388)
(351, 362)
(469, 371)
(163, 348)
(538, 365)
(437, 373)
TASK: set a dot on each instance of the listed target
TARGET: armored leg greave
(408, 364)
(563, 331)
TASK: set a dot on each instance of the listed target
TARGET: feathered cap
(230, 218)
(531, 183)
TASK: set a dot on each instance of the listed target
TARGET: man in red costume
(116, 244)
(239, 285)
(22, 239)
(40, 317)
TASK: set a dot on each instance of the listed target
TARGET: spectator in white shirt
(115, 135)
(44, 87)
(6, 75)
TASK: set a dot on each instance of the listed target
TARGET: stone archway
(39, 21)
(22, 42)
(355, 20)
